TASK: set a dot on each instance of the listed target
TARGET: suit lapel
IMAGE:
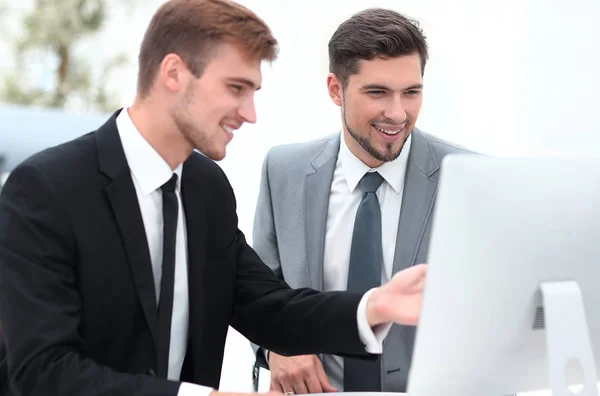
(123, 200)
(316, 202)
(417, 202)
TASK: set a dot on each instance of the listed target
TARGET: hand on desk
(300, 374)
(399, 300)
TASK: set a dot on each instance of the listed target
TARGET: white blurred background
(510, 77)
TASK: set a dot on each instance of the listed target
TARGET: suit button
(151, 372)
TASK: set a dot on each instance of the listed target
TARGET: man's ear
(334, 87)
(171, 73)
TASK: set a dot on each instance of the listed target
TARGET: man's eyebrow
(384, 88)
(375, 87)
(414, 86)
(245, 81)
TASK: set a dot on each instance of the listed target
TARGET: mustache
(389, 121)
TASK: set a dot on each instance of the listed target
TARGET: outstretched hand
(399, 300)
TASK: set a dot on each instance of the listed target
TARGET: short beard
(181, 117)
(387, 156)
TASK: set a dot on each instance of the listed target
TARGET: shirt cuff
(189, 389)
(372, 338)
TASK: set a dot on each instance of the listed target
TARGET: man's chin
(213, 154)
(390, 153)
(217, 156)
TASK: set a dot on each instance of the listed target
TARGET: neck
(159, 130)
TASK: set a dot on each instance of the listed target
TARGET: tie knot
(370, 182)
(171, 184)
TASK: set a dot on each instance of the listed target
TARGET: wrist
(374, 309)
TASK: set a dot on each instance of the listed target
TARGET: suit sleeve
(292, 321)
(40, 307)
(265, 240)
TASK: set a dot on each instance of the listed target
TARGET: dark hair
(375, 32)
(192, 28)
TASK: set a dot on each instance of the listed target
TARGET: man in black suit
(121, 263)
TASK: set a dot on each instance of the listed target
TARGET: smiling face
(211, 107)
(380, 106)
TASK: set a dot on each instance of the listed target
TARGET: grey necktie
(365, 273)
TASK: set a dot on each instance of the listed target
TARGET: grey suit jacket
(289, 224)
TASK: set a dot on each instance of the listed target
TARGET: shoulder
(297, 156)
(302, 150)
(65, 156)
(50, 183)
(441, 146)
(438, 148)
(60, 165)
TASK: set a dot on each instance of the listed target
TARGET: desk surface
(361, 394)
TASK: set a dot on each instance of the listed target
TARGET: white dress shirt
(344, 198)
(149, 172)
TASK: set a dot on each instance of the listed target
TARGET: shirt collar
(393, 172)
(147, 166)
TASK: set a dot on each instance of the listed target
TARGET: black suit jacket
(77, 299)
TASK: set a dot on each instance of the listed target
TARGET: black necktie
(167, 283)
(364, 273)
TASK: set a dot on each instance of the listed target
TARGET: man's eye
(236, 88)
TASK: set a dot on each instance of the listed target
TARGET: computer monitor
(512, 292)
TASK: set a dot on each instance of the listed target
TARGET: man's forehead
(231, 62)
(404, 62)
(399, 72)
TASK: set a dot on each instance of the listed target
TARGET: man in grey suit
(313, 224)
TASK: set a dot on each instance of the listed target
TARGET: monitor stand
(567, 337)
